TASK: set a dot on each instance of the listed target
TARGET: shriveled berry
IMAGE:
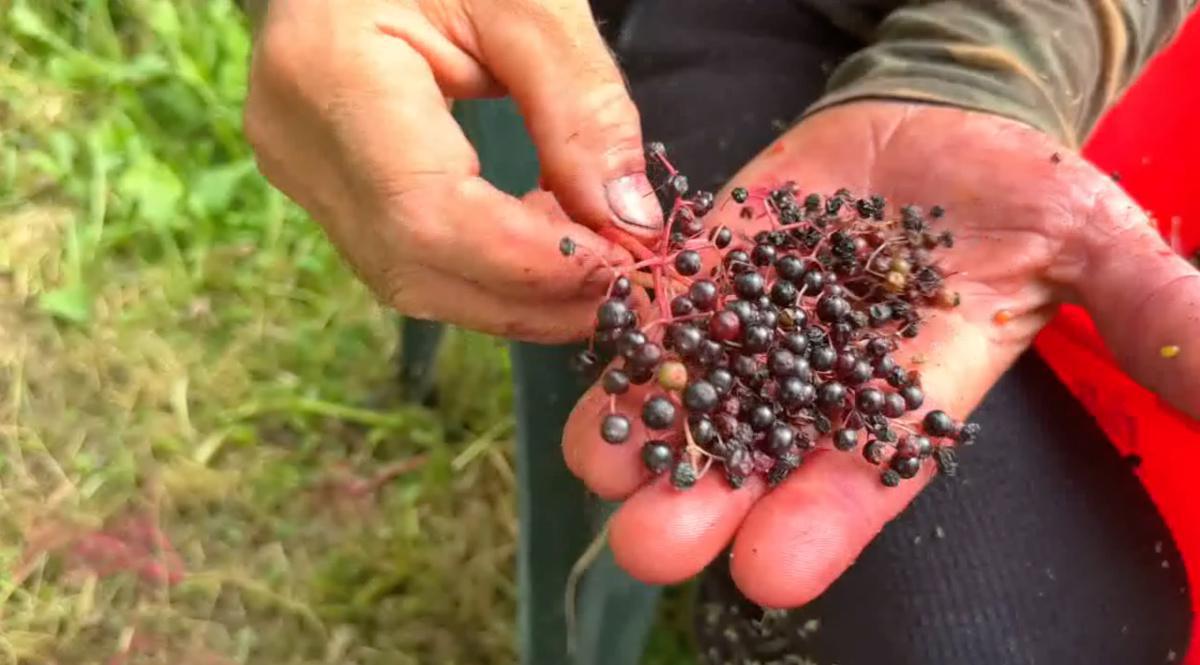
(890, 478)
(947, 460)
(615, 382)
(845, 439)
(870, 400)
(749, 284)
(938, 423)
(898, 377)
(874, 452)
(658, 413)
(744, 367)
(782, 468)
(879, 347)
(687, 262)
(703, 294)
(700, 397)
(615, 428)
(613, 313)
(761, 417)
(682, 306)
(781, 363)
(831, 396)
(657, 456)
(684, 474)
(968, 433)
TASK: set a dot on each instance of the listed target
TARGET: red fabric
(1151, 139)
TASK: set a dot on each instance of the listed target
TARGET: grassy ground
(202, 458)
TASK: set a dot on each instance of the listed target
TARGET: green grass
(193, 384)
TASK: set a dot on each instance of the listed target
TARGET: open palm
(1035, 226)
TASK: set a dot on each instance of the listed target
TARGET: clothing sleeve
(1053, 64)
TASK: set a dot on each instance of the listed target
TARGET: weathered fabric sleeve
(1053, 64)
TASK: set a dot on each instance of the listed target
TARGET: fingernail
(633, 202)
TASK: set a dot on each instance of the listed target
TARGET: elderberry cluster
(764, 348)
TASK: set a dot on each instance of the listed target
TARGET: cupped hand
(349, 115)
(1035, 226)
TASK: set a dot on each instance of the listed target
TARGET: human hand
(349, 115)
(1035, 226)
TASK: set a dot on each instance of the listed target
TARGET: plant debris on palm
(763, 348)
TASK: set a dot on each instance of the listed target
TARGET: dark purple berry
(794, 392)
(749, 285)
(640, 375)
(884, 366)
(757, 339)
(922, 444)
(613, 313)
(615, 382)
(782, 363)
(831, 396)
(780, 439)
(879, 347)
(906, 467)
(703, 430)
(893, 405)
(783, 293)
(845, 439)
(685, 338)
(859, 373)
(913, 396)
(763, 255)
(700, 397)
(682, 306)
(744, 367)
(968, 433)
(622, 287)
(658, 413)
(939, 424)
(722, 237)
(745, 310)
(832, 309)
(630, 341)
(710, 353)
(823, 358)
(566, 246)
(738, 261)
(722, 380)
(648, 355)
(898, 377)
(687, 262)
(761, 417)
(615, 428)
(703, 294)
(739, 194)
(796, 342)
(870, 400)
(657, 456)
(789, 268)
(813, 282)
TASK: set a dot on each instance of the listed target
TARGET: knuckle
(611, 120)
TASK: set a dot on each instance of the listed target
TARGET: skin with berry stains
(1025, 236)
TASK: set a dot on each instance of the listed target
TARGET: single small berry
(722, 237)
(739, 194)
(688, 263)
(700, 397)
(794, 392)
(621, 287)
(907, 467)
(658, 413)
(968, 434)
(763, 255)
(702, 429)
(722, 380)
(757, 339)
(566, 246)
(672, 375)
(703, 294)
(648, 355)
(890, 478)
(845, 439)
(939, 424)
(749, 285)
(613, 313)
(657, 456)
(725, 326)
(615, 428)
(761, 418)
(913, 396)
(870, 400)
(823, 358)
(874, 452)
(831, 396)
(615, 382)
(780, 439)
(894, 405)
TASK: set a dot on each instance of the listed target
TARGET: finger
(552, 59)
(1145, 300)
(426, 293)
(802, 535)
(662, 535)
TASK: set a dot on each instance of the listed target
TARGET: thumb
(553, 61)
(1145, 300)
